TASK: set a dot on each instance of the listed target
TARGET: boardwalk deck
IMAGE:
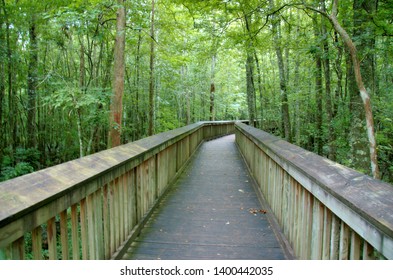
(207, 213)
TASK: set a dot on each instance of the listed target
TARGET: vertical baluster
(64, 235)
(368, 251)
(117, 212)
(36, 239)
(355, 246)
(344, 242)
(106, 221)
(52, 240)
(121, 208)
(125, 205)
(75, 232)
(335, 238)
(90, 226)
(18, 249)
(84, 232)
(317, 231)
(327, 233)
(98, 206)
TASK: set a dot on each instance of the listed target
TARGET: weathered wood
(344, 242)
(355, 246)
(207, 214)
(75, 232)
(84, 232)
(18, 249)
(64, 235)
(360, 202)
(107, 193)
(52, 240)
(36, 237)
(327, 233)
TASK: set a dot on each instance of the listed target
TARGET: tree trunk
(318, 95)
(151, 84)
(328, 91)
(212, 87)
(116, 107)
(260, 89)
(138, 123)
(12, 106)
(362, 89)
(250, 88)
(285, 118)
(32, 86)
(2, 93)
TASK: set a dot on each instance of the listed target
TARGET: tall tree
(118, 79)
(328, 91)
(212, 86)
(285, 117)
(151, 82)
(364, 94)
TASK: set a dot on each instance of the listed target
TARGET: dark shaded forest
(77, 77)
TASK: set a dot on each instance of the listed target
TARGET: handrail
(91, 208)
(326, 210)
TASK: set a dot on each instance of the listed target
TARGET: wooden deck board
(206, 214)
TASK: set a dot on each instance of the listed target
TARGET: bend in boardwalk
(211, 212)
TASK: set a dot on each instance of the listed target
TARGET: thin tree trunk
(362, 89)
(260, 89)
(328, 91)
(12, 106)
(118, 80)
(32, 86)
(138, 123)
(212, 87)
(250, 71)
(2, 95)
(285, 118)
(318, 95)
(151, 83)
(250, 88)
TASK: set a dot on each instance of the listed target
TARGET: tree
(118, 79)
(285, 117)
(359, 82)
(151, 83)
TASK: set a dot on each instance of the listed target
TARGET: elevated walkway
(211, 212)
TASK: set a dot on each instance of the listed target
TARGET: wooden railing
(93, 207)
(325, 210)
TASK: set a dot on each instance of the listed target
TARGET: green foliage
(75, 73)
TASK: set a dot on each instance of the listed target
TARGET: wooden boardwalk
(211, 212)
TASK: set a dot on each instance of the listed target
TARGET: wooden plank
(335, 238)
(327, 233)
(91, 227)
(121, 208)
(317, 230)
(18, 249)
(106, 221)
(36, 238)
(368, 251)
(346, 192)
(112, 221)
(355, 246)
(208, 217)
(52, 240)
(64, 235)
(75, 232)
(84, 231)
(344, 242)
(98, 223)
(126, 216)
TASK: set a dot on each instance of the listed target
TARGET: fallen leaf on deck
(256, 211)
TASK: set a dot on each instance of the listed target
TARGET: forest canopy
(77, 77)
